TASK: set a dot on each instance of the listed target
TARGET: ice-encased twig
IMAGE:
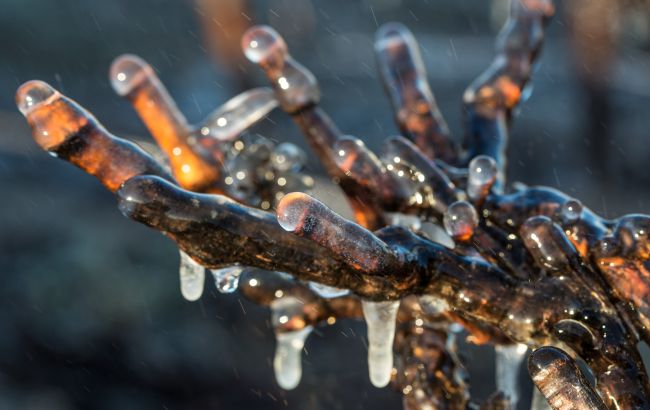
(560, 380)
(66, 130)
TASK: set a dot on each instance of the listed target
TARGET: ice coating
(380, 319)
(460, 220)
(547, 243)
(69, 132)
(192, 277)
(32, 94)
(135, 80)
(227, 279)
(287, 363)
(538, 402)
(508, 363)
(404, 76)
(327, 292)
(308, 217)
(238, 114)
(491, 292)
(482, 175)
(560, 380)
(295, 87)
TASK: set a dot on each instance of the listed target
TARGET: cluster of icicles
(380, 320)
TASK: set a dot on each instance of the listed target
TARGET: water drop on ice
(380, 319)
(192, 278)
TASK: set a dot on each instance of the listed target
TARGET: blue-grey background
(90, 311)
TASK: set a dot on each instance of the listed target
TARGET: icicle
(287, 363)
(380, 319)
(286, 313)
(227, 279)
(508, 363)
(327, 292)
(539, 401)
(192, 278)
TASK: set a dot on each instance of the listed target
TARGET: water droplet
(380, 319)
(33, 93)
(192, 277)
(227, 279)
(460, 220)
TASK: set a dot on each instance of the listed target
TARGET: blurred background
(91, 316)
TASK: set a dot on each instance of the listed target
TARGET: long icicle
(380, 319)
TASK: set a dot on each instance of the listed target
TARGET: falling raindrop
(380, 319)
(192, 277)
